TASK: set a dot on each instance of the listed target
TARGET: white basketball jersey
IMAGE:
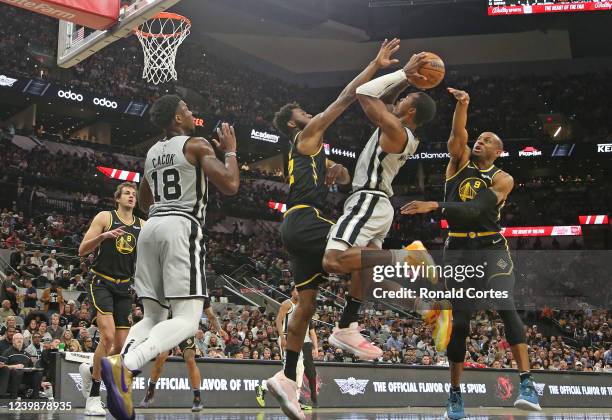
(177, 185)
(376, 169)
(288, 319)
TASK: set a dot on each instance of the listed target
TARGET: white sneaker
(86, 378)
(93, 407)
(285, 392)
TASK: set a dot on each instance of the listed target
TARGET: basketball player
(368, 212)
(306, 360)
(115, 234)
(188, 348)
(304, 230)
(475, 192)
(170, 270)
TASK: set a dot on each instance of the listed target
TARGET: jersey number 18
(171, 180)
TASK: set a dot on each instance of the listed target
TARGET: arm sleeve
(485, 199)
(381, 85)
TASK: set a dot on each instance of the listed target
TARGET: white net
(160, 38)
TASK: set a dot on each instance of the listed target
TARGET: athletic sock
(152, 384)
(291, 361)
(350, 312)
(525, 375)
(456, 389)
(95, 388)
(196, 394)
(264, 385)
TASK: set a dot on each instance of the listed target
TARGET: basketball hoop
(160, 38)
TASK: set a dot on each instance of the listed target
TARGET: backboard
(76, 43)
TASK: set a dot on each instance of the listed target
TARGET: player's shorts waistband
(176, 213)
(471, 235)
(371, 191)
(109, 278)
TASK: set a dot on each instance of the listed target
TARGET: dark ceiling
(590, 32)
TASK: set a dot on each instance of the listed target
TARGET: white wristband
(381, 85)
(230, 154)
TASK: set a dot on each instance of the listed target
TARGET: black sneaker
(197, 405)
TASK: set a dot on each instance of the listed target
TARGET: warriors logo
(470, 187)
(126, 243)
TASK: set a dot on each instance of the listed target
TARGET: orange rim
(164, 15)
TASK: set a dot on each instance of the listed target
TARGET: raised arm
(458, 139)
(225, 176)
(393, 135)
(311, 138)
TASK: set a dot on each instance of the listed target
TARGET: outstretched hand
(416, 207)
(387, 49)
(227, 138)
(460, 95)
(412, 68)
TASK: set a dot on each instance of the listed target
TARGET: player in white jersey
(170, 264)
(305, 363)
(368, 212)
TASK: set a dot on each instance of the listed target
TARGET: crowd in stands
(233, 92)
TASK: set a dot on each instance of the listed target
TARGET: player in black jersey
(475, 192)
(188, 349)
(304, 230)
(115, 234)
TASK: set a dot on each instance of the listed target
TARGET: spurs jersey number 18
(177, 185)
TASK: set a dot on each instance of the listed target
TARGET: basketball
(433, 69)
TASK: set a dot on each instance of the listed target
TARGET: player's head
(125, 195)
(172, 115)
(294, 292)
(488, 146)
(290, 117)
(416, 109)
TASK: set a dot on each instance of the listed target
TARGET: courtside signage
(529, 151)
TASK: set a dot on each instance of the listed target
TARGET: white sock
(186, 314)
(153, 314)
(264, 385)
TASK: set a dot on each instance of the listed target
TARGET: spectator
(6, 311)
(9, 292)
(54, 328)
(30, 330)
(44, 334)
(53, 299)
(49, 271)
(7, 341)
(69, 341)
(19, 258)
(395, 342)
(30, 297)
(16, 359)
(35, 349)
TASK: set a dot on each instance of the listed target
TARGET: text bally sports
(68, 94)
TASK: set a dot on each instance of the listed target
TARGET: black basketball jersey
(463, 186)
(307, 178)
(116, 258)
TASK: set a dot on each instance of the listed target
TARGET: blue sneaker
(454, 407)
(528, 397)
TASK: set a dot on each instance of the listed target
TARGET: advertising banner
(231, 383)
